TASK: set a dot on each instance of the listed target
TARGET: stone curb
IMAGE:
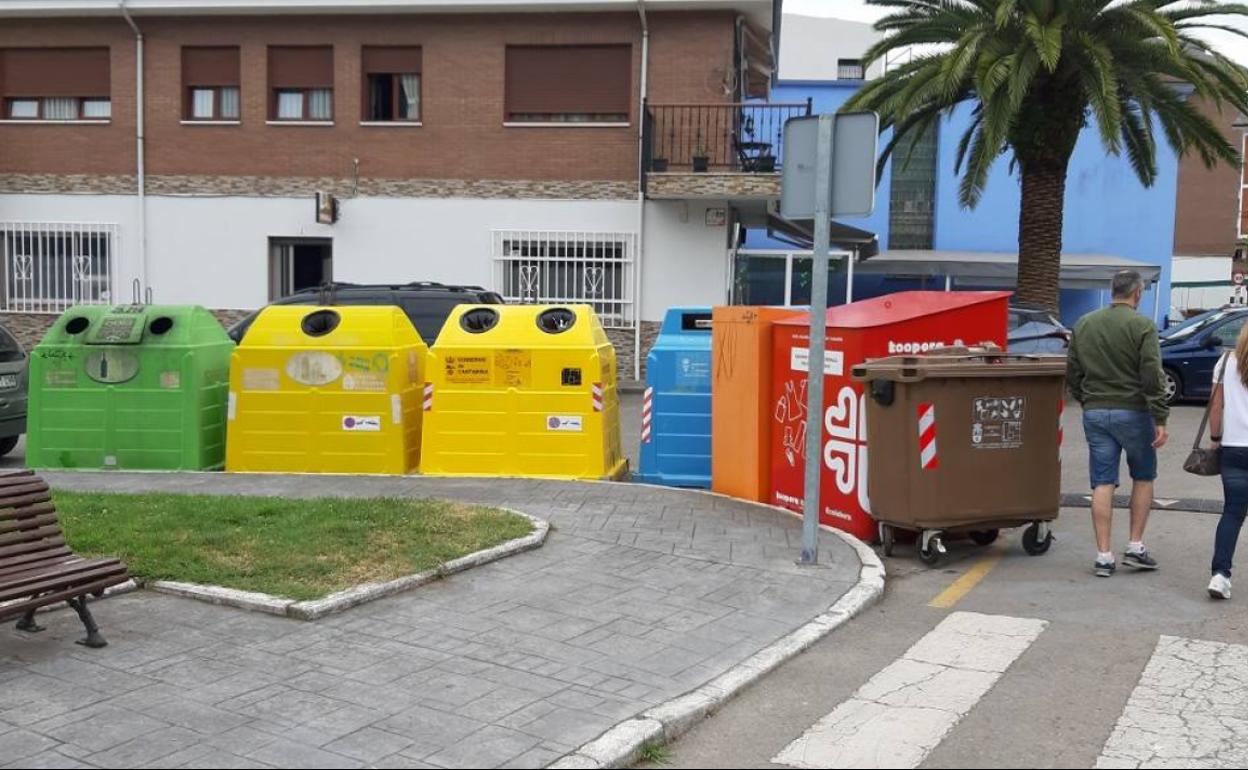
(621, 746)
(1185, 504)
(315, 609)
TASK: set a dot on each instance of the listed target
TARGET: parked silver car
(14, 365)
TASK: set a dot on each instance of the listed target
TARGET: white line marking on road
(1164, 503)
(905, 711)
(1190, 709)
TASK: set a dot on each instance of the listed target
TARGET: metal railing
(555, 267)
(51, 266)
(734, 136)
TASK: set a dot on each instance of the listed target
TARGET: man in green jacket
(1114, 373)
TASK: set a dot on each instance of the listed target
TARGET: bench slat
(17, 512)
(94, 571)
(15, 564)
(31, 573)
(22, 501)
(42, 545)
(29, 535)
(17, 609)
(33, 522)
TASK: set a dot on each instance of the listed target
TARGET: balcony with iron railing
(726, 150)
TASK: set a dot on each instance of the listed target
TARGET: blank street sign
(853, 165)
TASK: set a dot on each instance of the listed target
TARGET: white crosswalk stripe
(897, 718)
(1190, 709)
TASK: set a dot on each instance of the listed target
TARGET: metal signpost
(829, 171)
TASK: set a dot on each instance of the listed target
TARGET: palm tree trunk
(1040, 233)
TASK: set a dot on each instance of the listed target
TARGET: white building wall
(215, 251)
(686, 260)
(812, 44)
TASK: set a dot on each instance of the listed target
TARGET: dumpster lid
(959, 363)
(902, 306)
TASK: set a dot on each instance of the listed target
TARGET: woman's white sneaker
(1220, 587)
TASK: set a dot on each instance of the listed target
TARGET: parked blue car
(1190, 350)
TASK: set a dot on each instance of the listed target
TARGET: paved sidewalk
(639, 595)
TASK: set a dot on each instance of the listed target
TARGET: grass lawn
(300, 549)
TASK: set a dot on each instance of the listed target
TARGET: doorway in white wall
(299, 263)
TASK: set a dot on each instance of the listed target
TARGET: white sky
(857, 10)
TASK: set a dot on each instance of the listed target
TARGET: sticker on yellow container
(261, 379)
(368, 382)
(313, 368)
(370, 423)
(469, 370)
(571, 423)
(514, 368)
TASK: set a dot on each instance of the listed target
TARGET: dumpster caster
(984, 536)
(887, 539)
(1037, 538)
(931, 548)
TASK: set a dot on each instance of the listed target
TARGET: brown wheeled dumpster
(964, 442)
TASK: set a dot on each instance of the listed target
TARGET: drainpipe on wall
(140, 152)
(641, 194)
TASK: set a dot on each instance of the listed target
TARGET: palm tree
(1035, 72)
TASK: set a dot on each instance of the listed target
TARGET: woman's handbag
(1206, 461)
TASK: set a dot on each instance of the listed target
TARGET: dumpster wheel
(984, 536)
(931, 547)
(1037, 538)
(888, 537)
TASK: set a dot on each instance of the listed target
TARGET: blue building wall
(1108, 211)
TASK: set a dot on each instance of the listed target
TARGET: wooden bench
(37, 568)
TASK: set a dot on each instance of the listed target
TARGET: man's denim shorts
(1110, 432)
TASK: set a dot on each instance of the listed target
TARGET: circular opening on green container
(320, 323)
(478, 320)
(77, 325)
(556, 320)
(161, 325)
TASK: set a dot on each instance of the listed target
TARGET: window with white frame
(51, 266)
(849, 69)
(555, 267)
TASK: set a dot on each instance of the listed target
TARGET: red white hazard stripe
(1061, 407)
(596, 392)
(647, 414)
(928, 459)
(428, 403)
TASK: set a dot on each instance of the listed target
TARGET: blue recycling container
(676, 408)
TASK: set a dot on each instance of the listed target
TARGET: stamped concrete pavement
(638, 596)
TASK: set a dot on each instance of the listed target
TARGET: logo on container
(925, 346)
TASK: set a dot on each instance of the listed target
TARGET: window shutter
(569, 79)
(391, 60)
(210, 66)
(301, 67)
(65, 72)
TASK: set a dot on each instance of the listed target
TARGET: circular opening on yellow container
(320, 323)
(161, 325)
(478, 320)
(77, 325)
(556, 320)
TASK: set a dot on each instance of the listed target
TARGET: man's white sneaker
(1220, 587)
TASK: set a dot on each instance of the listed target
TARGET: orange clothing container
(741, 345)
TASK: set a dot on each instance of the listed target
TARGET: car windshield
(1194, 325)
(429, 313)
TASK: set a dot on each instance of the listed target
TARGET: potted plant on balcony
(658, 165)
(701, 160)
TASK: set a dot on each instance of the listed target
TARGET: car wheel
(8, 444)
(1174, 386)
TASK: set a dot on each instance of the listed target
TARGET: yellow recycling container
(522, 390)
(326, 390)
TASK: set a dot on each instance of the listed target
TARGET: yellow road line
(965, 584)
